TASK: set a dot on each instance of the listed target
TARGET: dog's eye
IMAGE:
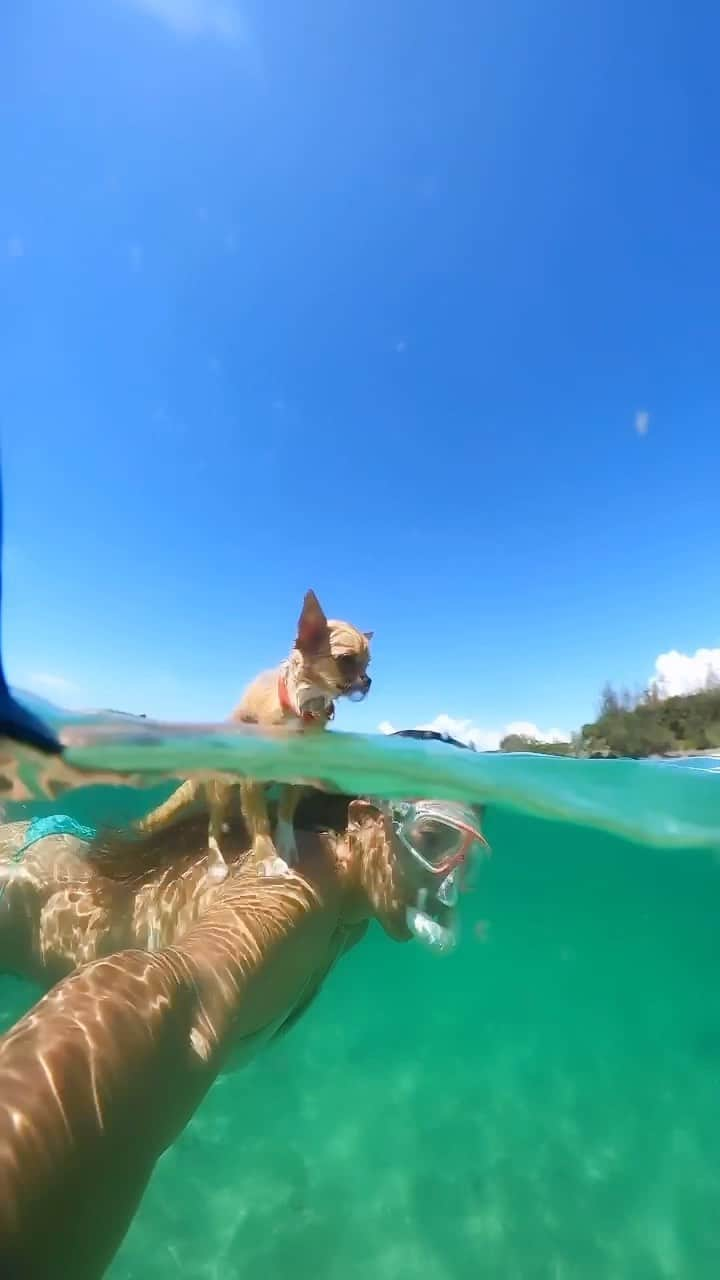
(346, 664)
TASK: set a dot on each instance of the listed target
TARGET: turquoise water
(541, 1104)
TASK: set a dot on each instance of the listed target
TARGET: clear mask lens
(440, 836)
(434, 841)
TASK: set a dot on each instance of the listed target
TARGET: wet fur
(136, 857)
(314, 677)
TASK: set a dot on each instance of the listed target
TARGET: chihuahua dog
(329, 660)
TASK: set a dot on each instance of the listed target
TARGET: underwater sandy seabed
(542, 1105)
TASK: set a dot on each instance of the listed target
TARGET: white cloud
(48, 682)
(678, 673)
(219, 18)
(465, 731)
(527, 729)
(484, 739)
(642, 422)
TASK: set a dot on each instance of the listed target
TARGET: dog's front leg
(285, 830)
(218, 794)
(263, 851)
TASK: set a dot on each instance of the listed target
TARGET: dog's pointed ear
(312, 632)
(368, 635)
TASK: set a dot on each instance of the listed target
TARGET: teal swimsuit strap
(55, 824)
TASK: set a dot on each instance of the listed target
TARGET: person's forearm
(94, 1083)
(104, 1073)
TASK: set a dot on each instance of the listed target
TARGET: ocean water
(543, 1104)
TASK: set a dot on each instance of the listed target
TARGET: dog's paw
(285, 841)
(273, 867)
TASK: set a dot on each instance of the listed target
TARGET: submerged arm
(106, 1070)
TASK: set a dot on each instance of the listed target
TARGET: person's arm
(94, 1083)
(104, 1073)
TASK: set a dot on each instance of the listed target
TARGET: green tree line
(640, 725)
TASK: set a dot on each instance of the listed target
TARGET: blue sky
(414, 303)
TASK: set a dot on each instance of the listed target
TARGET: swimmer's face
(410, 877)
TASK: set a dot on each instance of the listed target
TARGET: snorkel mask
(355, 679)
(439, 839)
(358, 692)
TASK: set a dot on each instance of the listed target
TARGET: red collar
(307, 717)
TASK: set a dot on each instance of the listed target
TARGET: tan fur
(316, 672)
